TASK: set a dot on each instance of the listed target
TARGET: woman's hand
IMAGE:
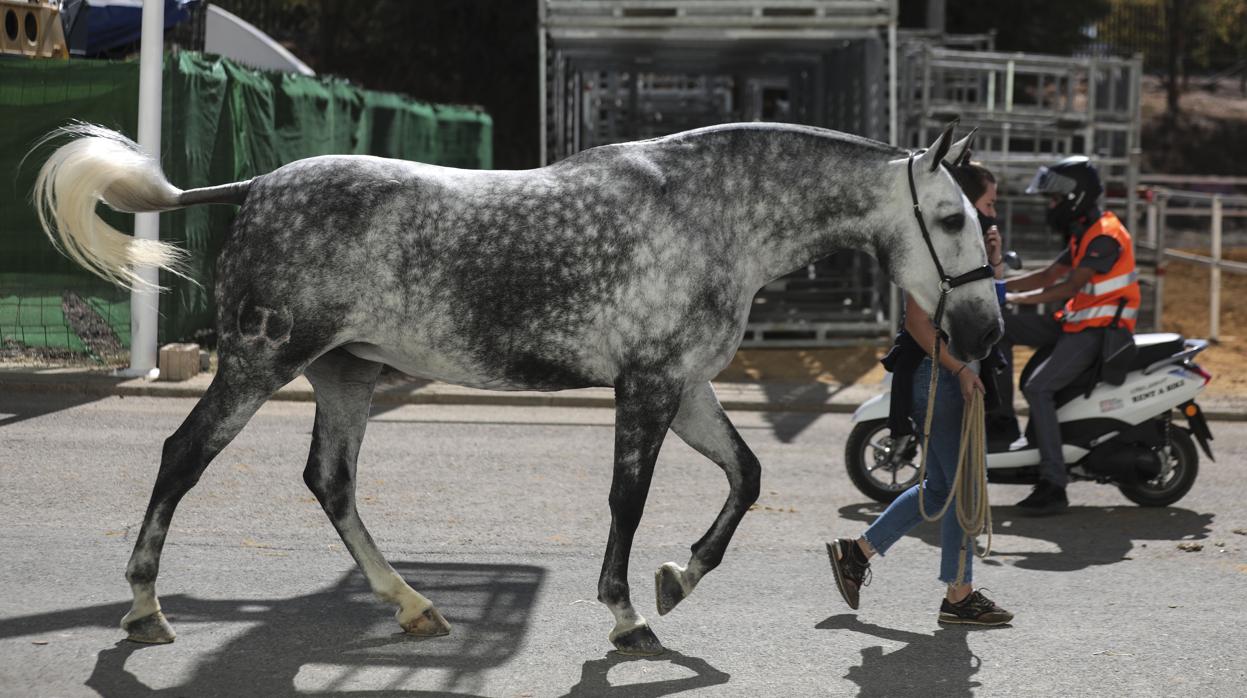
(991, 240)
(969, 382)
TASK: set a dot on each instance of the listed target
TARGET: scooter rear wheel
(866, 457)
(1176, 481)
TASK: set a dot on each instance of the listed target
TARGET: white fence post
(1161, 263)
(145, 301)
(1214, 273)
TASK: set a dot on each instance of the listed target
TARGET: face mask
(986, 221)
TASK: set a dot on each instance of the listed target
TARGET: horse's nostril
(991, 335)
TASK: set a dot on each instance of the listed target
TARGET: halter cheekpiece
(947, 283)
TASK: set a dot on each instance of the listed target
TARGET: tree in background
(1036, 26)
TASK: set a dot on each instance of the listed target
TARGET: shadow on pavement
(392, 387)
(18, 406)
(327, 639)
(940, 664)
(788, 425)
(594, 683)
(1085, 536)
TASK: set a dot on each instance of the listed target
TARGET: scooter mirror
(1013, 260)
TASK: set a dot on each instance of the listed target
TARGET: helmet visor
(1048, 181)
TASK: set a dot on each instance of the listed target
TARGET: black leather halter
(947, 283)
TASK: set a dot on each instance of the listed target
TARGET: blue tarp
(112, 24)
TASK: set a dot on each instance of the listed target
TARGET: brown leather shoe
(851, 569)
(975, 609)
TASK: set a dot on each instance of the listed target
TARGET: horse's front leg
(703, 425)
(644, 408)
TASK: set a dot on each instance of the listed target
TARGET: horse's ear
(959, 153)
(935, 154)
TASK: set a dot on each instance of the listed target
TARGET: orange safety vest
(1095, 304)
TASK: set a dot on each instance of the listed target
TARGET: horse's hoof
(669, 587)
(151, 630)
(430, 623)
(638, 642)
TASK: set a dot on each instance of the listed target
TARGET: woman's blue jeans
(902, 515)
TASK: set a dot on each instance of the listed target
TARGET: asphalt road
(499, 515)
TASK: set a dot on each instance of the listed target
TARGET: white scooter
(1115, 434)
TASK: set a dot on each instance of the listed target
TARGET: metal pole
(1153, 224)
(1161, 213)
(144, 301)
(893, 117)
(894, 291)
(541, 80)
(1214, 300)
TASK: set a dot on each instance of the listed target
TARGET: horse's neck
(790, 200)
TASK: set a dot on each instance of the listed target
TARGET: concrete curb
(755, 397)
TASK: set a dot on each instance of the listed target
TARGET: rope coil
(969, 486)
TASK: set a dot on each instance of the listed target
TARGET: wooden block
(32, 28)
(179, 362)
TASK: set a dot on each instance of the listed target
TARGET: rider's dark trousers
(1074, 352)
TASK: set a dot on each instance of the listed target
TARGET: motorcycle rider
(1095, 278)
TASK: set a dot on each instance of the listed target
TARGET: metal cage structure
(1030, 110)
(618, 70)
(621, 70)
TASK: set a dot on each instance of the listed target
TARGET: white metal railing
(1164, 204)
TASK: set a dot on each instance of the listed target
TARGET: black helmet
(1076, 182)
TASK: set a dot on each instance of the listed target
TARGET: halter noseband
(947, 283)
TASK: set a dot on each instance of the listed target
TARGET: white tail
(103, 165)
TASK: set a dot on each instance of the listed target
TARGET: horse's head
(971, 312)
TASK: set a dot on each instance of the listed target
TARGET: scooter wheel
(866, 457)
(1173, 485)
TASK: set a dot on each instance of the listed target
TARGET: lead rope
(969, 486)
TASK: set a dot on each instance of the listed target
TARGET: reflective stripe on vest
(1114, 284)
(1099, 311)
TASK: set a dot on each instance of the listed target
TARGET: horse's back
(542, 278)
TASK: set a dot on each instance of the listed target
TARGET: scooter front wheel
(1176, 478)
(874, 463)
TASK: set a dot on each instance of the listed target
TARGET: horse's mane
(847, 139)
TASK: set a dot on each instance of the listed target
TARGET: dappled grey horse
(631, 265)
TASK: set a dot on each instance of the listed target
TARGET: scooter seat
(1151, 348)
(1154, 347)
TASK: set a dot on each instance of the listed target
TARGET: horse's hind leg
(644, 407)
(236, 392)
(344, 386)
(703, 425)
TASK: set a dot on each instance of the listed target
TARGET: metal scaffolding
(621, 70)
(618, 70)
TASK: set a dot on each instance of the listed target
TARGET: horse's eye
(954, 222)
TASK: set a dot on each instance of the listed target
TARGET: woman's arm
(919, 326)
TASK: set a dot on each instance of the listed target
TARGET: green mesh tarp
(221, 123)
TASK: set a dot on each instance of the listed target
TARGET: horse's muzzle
(974, 331)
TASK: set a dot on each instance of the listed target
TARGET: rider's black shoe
(1044, 500)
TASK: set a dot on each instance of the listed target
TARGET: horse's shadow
(594, 683)
(325, 636)
(1085, 536)
(940, 664)
(317, 643)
